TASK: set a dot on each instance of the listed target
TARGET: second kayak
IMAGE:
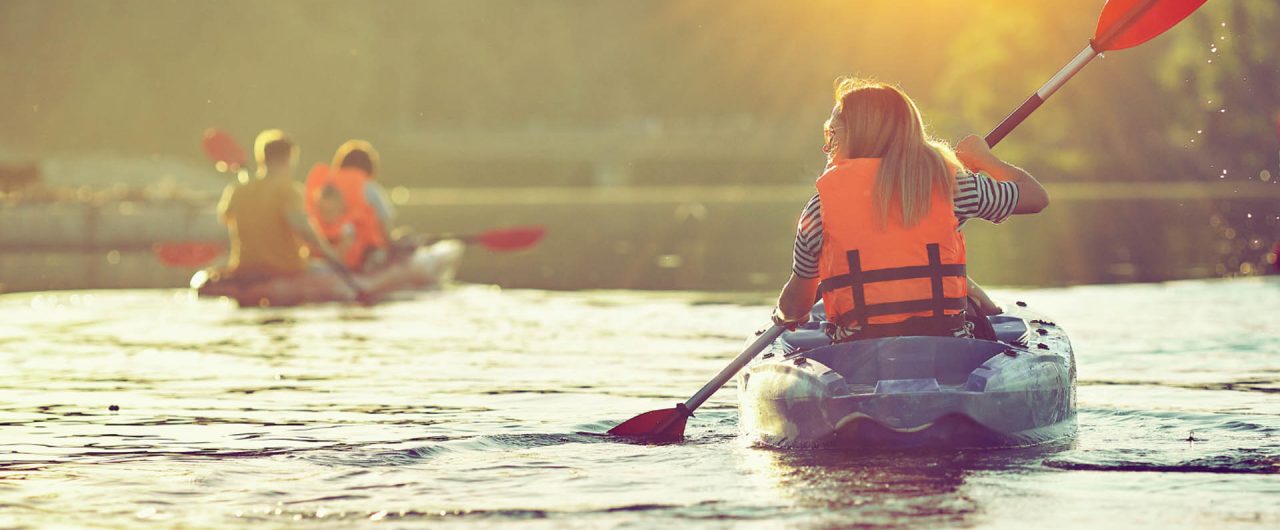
(426, 267)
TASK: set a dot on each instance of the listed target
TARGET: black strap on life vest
(930, 326)
(857, 279)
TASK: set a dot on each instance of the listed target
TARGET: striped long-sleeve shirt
(976, 196)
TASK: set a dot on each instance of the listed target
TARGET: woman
(367, 209)
(881, 240)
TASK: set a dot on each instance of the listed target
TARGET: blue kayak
(909, 392)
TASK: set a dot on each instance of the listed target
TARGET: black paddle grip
(1012, 120)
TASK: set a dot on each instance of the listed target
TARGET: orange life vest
(350, 182)
(873, 275)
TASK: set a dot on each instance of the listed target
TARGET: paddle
(667, 425)
(223, 150)
(225, 153)
(187, 254)
(195, 254)
(1123, 24)
(497, 240)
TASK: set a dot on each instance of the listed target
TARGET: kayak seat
(866, 362)
(804, 339)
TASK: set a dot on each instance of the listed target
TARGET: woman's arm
(381, 205)
(974, 153)
(796, 299)
(985, 303)
(224, 204)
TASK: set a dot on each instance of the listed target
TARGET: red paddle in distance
(223, 150)
(1123, 24)
(195, 254)
(227, 157)
(187, 254)
(498, 240)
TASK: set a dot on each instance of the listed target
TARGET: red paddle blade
(1128, 23)
(657, 425)
(222, 149)
(511, 238)
(189, 255)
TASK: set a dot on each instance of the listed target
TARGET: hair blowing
(880, 121)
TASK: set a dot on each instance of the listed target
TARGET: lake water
(478, 406)
(717, 238)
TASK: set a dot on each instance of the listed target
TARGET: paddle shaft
(1032, 103)
(422, 241)
(345, 274)
(761, 342)
(1092, 50)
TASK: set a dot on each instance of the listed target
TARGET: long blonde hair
(880, 121)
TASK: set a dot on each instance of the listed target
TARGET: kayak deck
(913, 391)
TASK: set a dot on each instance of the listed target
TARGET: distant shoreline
(737, 193)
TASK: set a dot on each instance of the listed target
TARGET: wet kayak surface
(481, 407)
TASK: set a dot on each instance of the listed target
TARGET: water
(688, 237)
(476, 406)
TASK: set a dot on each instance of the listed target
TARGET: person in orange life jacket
(269, 229)
(331, 209)
(881, 240)
(367, 210)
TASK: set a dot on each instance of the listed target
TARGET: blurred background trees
(145, 76)
(557, 111)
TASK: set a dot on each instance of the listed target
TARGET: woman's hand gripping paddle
(1123, 24)
(667, 425)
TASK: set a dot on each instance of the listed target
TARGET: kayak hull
(913, 392)
(426, 268)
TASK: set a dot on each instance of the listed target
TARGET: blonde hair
(880, 121)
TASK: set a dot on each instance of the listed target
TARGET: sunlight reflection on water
(477, 405)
